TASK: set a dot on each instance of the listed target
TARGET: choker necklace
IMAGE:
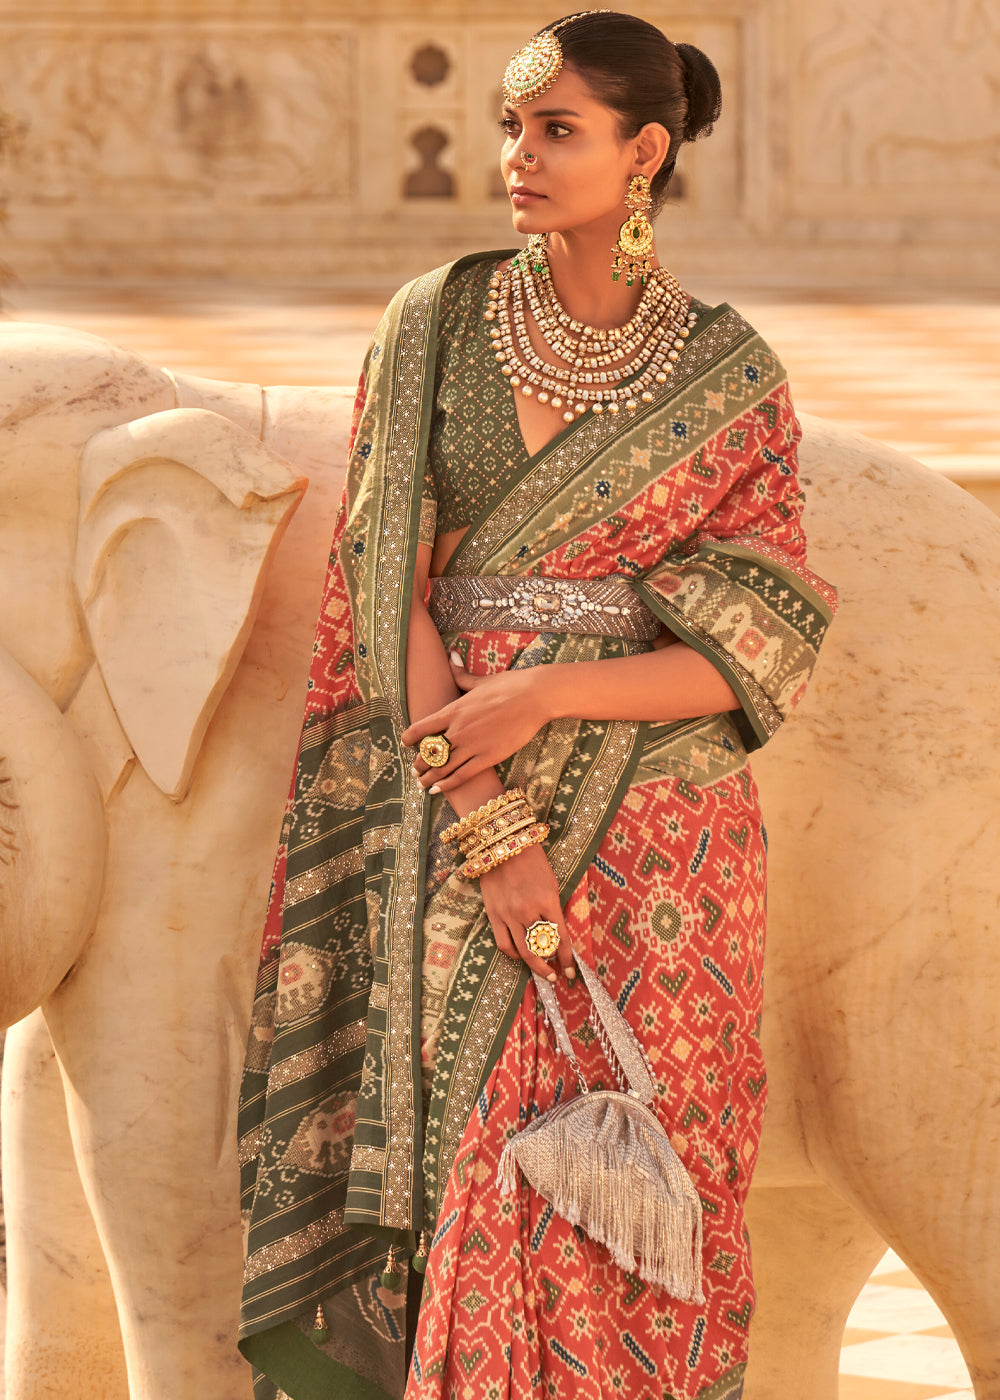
(586, 366)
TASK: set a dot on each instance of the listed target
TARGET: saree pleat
(393, 1048)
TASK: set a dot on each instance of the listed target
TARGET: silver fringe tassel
(605, 1163)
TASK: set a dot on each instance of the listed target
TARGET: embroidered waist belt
(602, 607)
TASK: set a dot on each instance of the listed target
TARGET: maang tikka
(635, 237)
(536, 66)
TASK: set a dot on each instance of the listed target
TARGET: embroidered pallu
(390, 1038)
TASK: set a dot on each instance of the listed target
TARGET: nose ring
(528, 160)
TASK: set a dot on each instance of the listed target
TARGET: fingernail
(457, 659)
(552, 977)
(570, 974)
(434, 789)
(414, 770)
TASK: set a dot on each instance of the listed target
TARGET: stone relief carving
(886, 101)
(855, 144)
(258, 117)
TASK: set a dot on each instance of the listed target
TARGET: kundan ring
(542, 938)
(435, 750)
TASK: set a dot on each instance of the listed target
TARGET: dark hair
(635, 70)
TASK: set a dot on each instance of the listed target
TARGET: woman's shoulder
(452, 277)
(727, 325)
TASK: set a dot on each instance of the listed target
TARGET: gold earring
(635, 237)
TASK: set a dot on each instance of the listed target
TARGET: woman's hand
(496, 716)
(517, 893)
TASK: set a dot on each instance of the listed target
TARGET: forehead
(568, 94)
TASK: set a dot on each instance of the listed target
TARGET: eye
(508, 125)
(557, 130)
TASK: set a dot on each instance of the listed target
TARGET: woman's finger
(563, 955)
(436, 723)
(443, 780)
(535, 963)
(464, 679)
(502, 938)
(431, 777)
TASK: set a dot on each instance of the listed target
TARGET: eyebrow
(549, 112)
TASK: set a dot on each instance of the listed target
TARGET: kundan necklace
(594, 367)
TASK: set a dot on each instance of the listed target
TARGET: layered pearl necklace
(596, 368)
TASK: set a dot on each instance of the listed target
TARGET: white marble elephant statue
(153, 654)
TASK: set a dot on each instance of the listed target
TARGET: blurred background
(234, 188)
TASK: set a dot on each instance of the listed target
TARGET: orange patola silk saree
(394, 1049)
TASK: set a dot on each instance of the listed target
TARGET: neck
(580, 263)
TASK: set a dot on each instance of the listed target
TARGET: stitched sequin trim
(292, 1247)
(249, 1145)
(317, 1057)
(338, 868)
(367, 1159)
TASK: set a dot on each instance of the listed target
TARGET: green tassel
(391, 1276)
(320, 1332)
(615, 276)
(419, 1260)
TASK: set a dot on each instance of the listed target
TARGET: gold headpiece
(535, 67)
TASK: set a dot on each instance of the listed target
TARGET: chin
(529, 221)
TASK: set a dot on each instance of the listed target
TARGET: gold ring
(435, 750)
(542, 938)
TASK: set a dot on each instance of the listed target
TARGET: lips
(521, 195)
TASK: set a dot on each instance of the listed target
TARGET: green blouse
(475, 439)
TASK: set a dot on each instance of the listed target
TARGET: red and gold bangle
(505, 849)
(490, 832)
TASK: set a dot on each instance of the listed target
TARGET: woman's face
(582, 167)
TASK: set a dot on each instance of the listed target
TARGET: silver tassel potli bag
(604, 1162)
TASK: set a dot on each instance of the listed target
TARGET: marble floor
(921, 376)
(897, 1345)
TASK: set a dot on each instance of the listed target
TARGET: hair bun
(703, 89)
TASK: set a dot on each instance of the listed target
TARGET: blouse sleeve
(427, 532)
(738, 589)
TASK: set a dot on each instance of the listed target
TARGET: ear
(180, 513)
(651, 147)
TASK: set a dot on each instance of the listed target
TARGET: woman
(597, 475)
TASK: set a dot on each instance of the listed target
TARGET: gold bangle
(509, 847)
(477, 841)
(465, 824)
(496, 822)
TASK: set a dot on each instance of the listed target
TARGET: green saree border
(384, 1185)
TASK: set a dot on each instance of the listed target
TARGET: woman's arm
(664, 685)
(499, 714)
(520, 890)
(430, 686)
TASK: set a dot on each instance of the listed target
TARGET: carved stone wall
(322, 140)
